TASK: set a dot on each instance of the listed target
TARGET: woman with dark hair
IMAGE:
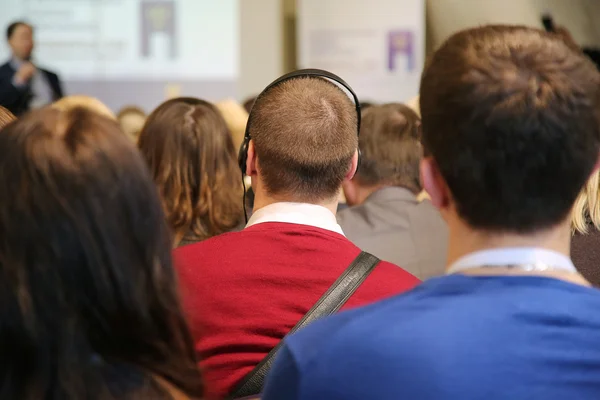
(89, 304)
(192, 159)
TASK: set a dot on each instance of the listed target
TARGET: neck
(363, 192)
(262, 199)
(465, 240)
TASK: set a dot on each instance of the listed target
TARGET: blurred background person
(89, 297)
(236, 118)
(82, 101)
(585, 220)
(386, 218)
(189, 150)
(6, 117)
(131, 119)
(23, 85)
(248, 103)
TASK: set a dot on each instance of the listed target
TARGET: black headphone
(302, 73)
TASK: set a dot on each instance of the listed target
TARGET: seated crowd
(133, 266)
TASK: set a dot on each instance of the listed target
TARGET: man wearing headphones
(244, 291)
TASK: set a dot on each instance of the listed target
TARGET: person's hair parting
(191, 156)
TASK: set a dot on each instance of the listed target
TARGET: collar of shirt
(297, 213)
(512, 256)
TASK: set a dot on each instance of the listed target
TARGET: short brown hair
(86, 276)
(6, 117)
(304, 132)
(390, 144)
(511, 117)
(191, 156)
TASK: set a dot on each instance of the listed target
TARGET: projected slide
(131, 39)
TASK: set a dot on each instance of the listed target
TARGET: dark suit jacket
(17, 99)
(394, 226)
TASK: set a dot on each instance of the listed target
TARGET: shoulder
(6, 68)
(50, 74)
(215, 243)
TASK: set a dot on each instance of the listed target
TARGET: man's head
(19, 35)
(391, 152)
(511, 120)
(304, 140)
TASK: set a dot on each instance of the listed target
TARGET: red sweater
(243, 291)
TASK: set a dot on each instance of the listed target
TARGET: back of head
(510, 116)
(390, 144)
(236, 118)
(192, 159)
(89, 302)
(87, 102)
(304, 134)
(6, 117)
(131, 119)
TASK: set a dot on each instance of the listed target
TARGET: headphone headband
(308, 73)
(302, 73)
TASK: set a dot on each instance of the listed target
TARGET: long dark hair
(88, 300)
(191, 157)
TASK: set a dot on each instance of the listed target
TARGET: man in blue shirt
(512, 127)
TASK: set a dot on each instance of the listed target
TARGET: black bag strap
(333, 299)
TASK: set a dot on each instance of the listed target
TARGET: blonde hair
(236, 118)
(587, 206)
(89, 103)
(6, 117)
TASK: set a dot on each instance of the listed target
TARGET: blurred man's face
(21, 42)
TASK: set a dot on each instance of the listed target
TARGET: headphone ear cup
(243, 155)
(359, 160)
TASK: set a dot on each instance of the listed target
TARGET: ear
(349, 188)
(251, 160)
(353, 167)
(434, 184)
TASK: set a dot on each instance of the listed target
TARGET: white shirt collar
(297, 213)
(511, 256)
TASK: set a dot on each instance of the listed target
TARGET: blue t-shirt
(454, 337)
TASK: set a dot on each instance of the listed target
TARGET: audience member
(131, 119)
(385, 217)
(6, 117)
(248, 103)
(236, 118)
(23, 85)
(245, 290)
(511, 120)
(585, 219)
(89, 302)
(191, 157)
(414, 105)
(82, 101)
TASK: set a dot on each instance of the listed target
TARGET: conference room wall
(447, 16)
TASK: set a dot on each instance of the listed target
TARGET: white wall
(261, 45)
(447, 16)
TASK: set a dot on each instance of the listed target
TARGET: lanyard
(528, 267)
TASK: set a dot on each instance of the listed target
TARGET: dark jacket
(17, 99)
